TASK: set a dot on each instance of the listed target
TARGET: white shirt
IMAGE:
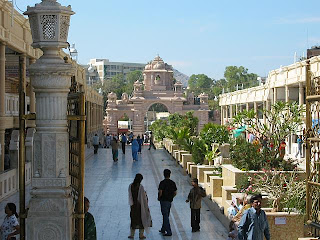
(8, 226)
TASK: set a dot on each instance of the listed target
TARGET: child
(233, 233)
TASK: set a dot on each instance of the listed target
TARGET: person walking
(254, 223)
(299, 142)
(108, 140)
(123, 142)
(140, 142)
(151, 141)
(114, 146)
(90, 231)
(282, 149)
(195, 196)
(95, 143)
(135, 148)
(10, 226)
(166, 192)
(139, 209)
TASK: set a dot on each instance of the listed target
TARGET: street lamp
(73, 52)
(49, 23)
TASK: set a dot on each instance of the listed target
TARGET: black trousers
(96, 148)
(195, 219)
(123, 144)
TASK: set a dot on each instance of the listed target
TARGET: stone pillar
(301, 93)
(237, 109)
(286, 91)
(29, 144)
(50, 208)
(275, 94)
(2, 78)
(231, 111)
(255, 106)
(247, 107)
(2, 102)
(222, 115)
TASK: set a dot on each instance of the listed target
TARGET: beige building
(284, 84)
(158, 87)
(107, 69)
(15, 41)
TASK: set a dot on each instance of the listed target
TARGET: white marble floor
(107, 188)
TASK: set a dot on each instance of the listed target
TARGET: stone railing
(12, 104)
(9, 181)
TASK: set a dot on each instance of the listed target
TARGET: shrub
(214, 133)
(198, 151)
(245, 155)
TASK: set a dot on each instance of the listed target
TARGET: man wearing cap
(195, 196)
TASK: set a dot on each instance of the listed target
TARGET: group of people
(248, 220)
(114, 140)
(167, 190)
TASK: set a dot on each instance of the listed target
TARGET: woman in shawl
(114, 146)
(135, 148)
(140, 142)
(139, 211)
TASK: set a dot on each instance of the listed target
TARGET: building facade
(287, 84)
(107, 69)
(158, 87)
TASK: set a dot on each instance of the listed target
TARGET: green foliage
(239, 75)
(181, 137)
(211, 153)
(198, 151)
(283, 119)
(199, 83)
(214, 133)
(159, 129)
(176, 121)
(119, 84)
(245, 184)
(245, 155)
(284, 189)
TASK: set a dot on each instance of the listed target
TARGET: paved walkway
(107, 188)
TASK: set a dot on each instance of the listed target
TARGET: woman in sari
(140, 142)
(139, 209)
(114, 146)
(135, 148)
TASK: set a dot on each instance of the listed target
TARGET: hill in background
(179, 76)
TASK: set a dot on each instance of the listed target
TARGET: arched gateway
(158, 87)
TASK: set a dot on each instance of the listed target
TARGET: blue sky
(202, 36)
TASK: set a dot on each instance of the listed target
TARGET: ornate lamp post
(50, 208)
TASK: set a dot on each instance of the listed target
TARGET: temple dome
(158, 65)
(147, 67)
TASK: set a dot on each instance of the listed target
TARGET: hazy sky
(195, 36)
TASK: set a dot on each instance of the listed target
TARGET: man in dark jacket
(90, 232)
(167, 191)
(195, 196)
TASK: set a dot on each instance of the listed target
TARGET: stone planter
(285, 225)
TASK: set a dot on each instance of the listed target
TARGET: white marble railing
(9, 181)
(12, 104)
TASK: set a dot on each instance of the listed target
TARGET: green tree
(131, 78)
(283, 119)
(199, 83)
(238, 76)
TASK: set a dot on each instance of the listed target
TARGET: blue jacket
(253, 226)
